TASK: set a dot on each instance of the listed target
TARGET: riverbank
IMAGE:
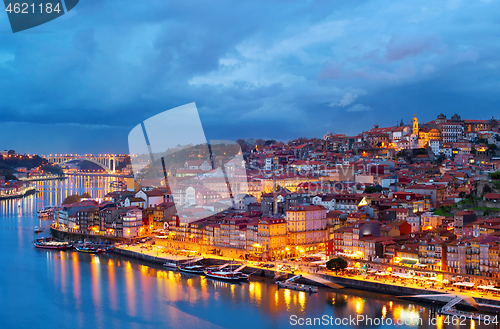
(28, 191)
(72, 236)
(385, 286)
(159, 258)
(43, 178)
(66, 236)
(414, 293)
(160, 254)
(99, 174)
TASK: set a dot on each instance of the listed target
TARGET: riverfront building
(417, 196)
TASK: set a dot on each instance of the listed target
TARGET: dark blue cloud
(271, 69)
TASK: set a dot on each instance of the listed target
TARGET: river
(66, 289)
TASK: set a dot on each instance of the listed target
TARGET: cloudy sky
(261, 69)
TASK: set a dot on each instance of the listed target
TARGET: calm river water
(65, 289)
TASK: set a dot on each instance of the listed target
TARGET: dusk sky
(256, 69)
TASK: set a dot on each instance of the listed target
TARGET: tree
(420, 151)
(486, 189)
(379, 144)
(298, 141)
(53, 169)
(440, 158)
(336, 264)
(443, 211)
(495, 175)
(269, 142)
(10, 176)
(85, 196)
(260, 144)
(461, 194)
(71, 199)
(243, 145)
(373, 189)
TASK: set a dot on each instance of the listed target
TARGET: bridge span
(108, 162)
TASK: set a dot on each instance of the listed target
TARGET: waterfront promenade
(167, 250)
(20, 194)
(398, 287)
(43, 178)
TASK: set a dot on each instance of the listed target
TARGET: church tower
(414, 122)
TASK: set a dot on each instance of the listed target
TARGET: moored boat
(108, 249)
(227, 276)
(48, 243)
(296, 286)
(172, 265)
(193, 269)
(37, 229)
(88, 249)
(226, 273)
(47, 212)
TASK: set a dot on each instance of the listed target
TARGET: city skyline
(254, 71)
(321, 135)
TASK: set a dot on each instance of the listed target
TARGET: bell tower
(414, 122)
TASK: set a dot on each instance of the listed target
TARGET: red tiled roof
(475, 121)
(492, 196)
(380, 130)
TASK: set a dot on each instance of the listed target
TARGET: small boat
(296, 286)
(108, 249)
(172, 265)
(193, 269)
(37, 229)
(227, 276)
(47, 212)
(226, 273)
(88, 249)
(48, 243)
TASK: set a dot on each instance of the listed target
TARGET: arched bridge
(106, 161)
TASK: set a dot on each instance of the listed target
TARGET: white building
(428, 219)
(132, 223)
(438, 149)
(414, 221)
(269, 164)
(398, 133)
(152, 198)
(452, 131)
(327, 201)
(435, 146)
(241, 202)
(198, 165)
(190, 198)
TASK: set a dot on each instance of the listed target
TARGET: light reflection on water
(65, 289)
